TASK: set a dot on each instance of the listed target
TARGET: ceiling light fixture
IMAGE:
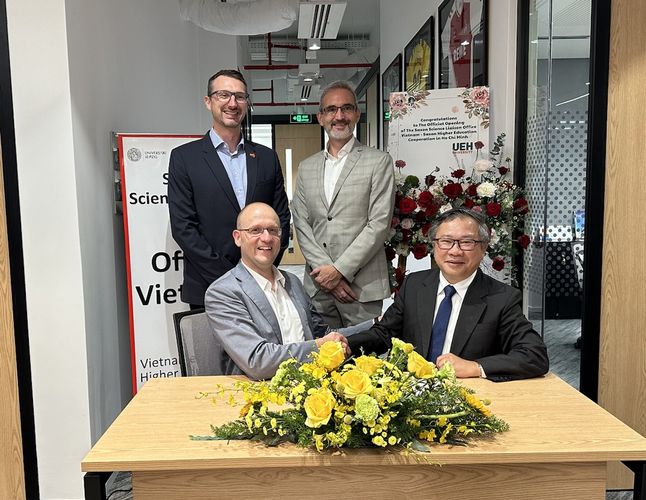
(313, 44)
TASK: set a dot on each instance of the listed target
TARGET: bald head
(254, 211)
(257, 234)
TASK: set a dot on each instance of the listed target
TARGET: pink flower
(479, 144)
(480, 95)
(397, 102)
(400, 164)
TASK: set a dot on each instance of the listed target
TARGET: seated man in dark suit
(260, 315)
(455, 313)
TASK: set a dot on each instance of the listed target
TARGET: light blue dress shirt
(235, 163)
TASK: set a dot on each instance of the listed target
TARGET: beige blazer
(349, 232)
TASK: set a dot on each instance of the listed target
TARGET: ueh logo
(134, 154)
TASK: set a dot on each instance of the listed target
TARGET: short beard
(340, 134)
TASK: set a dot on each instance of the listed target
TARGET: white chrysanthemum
(494, 238)
(407, 223)
(486, 189)
(482, 166)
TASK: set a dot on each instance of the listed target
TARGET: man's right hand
(334, 336)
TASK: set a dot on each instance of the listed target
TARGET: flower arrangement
(487, 189)
(402, 400)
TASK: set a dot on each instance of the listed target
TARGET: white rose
(407, 223)
(482, 166)
(445, 208)
(486, 189)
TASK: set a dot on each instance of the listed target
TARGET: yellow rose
(404, 346)
(354, 382)
(331, 354)
(419, 367)
(368, 364)
(318, 408)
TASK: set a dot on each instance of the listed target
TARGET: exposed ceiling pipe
(254, 67)
(255, 17)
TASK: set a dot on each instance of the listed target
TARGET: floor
(560, 336)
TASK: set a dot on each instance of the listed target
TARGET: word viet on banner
(439, 129)
(154, 262)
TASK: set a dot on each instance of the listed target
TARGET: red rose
(523, 240)
(407, 205)
(468, 203)
(503, 170)
(420, 250)
(405, 235)
(431, 210)
(400, 163)
(458, 173)
(521, 206)
(390, 253)
(472, 190)
(479, 144)
(493, 209)
(429, 180)
(498, 263)
(420, 217)
(426, 228)
(452, 191)
(425, 197)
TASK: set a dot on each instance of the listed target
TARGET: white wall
(81, 69)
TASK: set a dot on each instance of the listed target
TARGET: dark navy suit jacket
(203, 208)
(491, 328)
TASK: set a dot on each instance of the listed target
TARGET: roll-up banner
(154, 262)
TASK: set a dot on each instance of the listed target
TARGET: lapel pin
(253, 155)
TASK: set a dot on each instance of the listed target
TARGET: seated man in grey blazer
(457, 314)
(260, 315)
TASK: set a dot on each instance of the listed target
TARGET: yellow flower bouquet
(401, 400)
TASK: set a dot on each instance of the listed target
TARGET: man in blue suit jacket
(259, 315)
(210, 180)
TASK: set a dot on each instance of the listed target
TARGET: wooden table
(557, 447)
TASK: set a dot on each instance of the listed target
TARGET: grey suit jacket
(247, 329)
(491, 328)
(350, 231)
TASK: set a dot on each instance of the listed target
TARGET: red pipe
(265, 67)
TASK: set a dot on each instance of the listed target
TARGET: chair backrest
(199, 351)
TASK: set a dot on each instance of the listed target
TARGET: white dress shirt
(333, 168)
(291, 328)
(456, 302)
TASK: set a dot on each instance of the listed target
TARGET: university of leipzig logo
(134, 154)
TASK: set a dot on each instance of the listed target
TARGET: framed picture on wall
(391, 81)
(418, 59)
(462, 26)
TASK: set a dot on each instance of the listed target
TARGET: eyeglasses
(346, 109)
(257, 231)
(447, 244)
(225, 95)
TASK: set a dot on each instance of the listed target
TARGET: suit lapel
(215, 165)
(350, 162)
(300, 307)
(320, 179)
(252, 171)
(426, 299)
(473, 306)
(251, 289)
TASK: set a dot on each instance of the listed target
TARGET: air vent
(320, 19)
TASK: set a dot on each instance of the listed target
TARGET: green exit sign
(386, 116)
(300, 118)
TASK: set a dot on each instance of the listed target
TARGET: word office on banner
(154, 262)
(438, 131)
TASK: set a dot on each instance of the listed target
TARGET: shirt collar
(344, 151)
(220, 145)
(461, 287)
(263, 282)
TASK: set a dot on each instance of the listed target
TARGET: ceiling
(276, 87)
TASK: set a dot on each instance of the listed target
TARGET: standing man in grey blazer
(260, 315)
(342, 211)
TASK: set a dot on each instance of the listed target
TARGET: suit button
(324, 245)
(329, 218)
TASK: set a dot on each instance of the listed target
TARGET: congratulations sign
(154, 261)
(439, 130)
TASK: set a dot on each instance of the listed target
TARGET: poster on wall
(418, 59)
(154, 262)
(391, 81)
(438, 131)
(462, 26)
